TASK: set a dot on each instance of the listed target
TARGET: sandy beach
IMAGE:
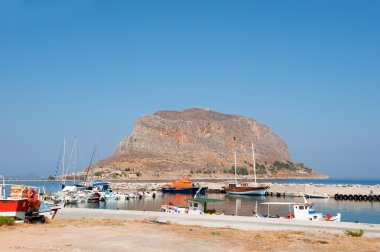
(77, 229)
(140, 235)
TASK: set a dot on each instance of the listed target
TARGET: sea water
(352, 211)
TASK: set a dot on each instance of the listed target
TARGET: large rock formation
(200, 141)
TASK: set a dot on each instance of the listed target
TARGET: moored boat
(317, 195)
(301, 211)
(184, 185)
(195, 206)
(246, 188)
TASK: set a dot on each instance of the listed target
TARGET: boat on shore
(23, 204)
(184, 185)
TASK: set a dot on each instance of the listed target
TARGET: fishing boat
(246, 188)
(196, 205)
(94, 198)
(300, 211)
(184, 185)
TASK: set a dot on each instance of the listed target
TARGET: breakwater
(338, 191)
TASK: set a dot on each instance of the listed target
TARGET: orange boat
(183, 186)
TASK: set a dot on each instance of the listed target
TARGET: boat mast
(254, 163)
(63, 160)
(75, 157)
(92, 157)
(72, 158)
(235, 168)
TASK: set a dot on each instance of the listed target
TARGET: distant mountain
(200, 143)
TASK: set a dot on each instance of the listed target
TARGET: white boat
(195, 205)
(301, 211)
(49, 211)
(317, 195)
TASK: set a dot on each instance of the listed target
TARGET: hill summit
(200, 143)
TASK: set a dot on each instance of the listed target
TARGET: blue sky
(308, 69)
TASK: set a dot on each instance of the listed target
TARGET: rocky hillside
(200, 143)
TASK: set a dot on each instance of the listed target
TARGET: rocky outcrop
(200, 141)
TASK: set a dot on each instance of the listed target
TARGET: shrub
(6, 221)
(98, 173)
(239, 170)
(357, 233)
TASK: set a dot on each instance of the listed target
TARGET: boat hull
(14, 207)
(317, 196)
(247, 190)
(189, 190)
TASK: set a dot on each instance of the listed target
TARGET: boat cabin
(199, 205)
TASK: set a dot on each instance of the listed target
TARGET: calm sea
(352, 211)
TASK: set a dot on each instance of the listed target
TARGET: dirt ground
(122, 235)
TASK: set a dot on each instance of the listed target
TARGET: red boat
(14, 208)
(18, 203)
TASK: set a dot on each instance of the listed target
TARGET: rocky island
(199, 143)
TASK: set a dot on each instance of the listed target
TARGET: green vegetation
(239, 170)
(215, 233)
(210, 211)
(207, 171)
(6, 221)
(51, 177)
(98, 173)
(114, 175)
(138, 174)
(284, 166)
(357, 233)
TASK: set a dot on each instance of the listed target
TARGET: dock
(220, 221)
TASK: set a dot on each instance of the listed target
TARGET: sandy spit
(139, 235)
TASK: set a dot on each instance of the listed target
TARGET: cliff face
(195, 140)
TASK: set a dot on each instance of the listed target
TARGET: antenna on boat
(254, 163)
(304, 198)
(235, 167)
(3, 187)
(92, 156)
(72, 158)
(63, 162)
(198, 191)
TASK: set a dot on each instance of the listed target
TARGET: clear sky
(308, 69)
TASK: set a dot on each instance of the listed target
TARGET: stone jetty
(289, 190)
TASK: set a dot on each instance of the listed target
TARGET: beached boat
(23, 203)
(17, 205)
(300, 211)
(184, 185)
(246, 188)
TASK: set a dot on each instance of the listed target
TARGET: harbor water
(352, 211)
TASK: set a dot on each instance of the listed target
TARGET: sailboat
(246, 188)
